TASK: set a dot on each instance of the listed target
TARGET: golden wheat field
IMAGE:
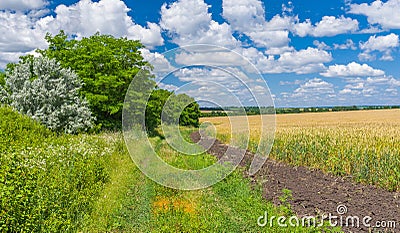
(364, 145)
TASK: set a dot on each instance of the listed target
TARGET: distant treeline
(236, 111)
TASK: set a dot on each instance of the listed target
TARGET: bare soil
(315, 193)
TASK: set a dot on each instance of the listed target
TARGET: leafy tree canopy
(106, 65)
(154, 108)
(181, 107)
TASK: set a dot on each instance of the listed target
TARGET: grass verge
(232, 205)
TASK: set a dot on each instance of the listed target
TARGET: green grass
(89, 183)
(48, 183)
(232, 205)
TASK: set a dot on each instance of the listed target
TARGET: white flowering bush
(42, 89)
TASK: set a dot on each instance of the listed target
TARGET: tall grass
(48, 183)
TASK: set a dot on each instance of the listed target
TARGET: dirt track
(315, 193)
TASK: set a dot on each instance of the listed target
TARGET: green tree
(107, 66)
(191, 113)
(154, 108)
(182, 108)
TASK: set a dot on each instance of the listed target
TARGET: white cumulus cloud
(189, 22)
(371, 87)
(315, 88)
(384, 44)
(106, 16)
(381, 43)
(19, 33)
(321, 45)
(352, 69)
(23, 32)
(248, 17)
(348, 45)
(22, 5)
(328, 26)
(386, 14)
(160, 64)
(305, 61)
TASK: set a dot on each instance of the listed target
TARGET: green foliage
(19, 131)
(191, 113)
(107, 66)
(41, 89)
(154, 108)
(48, 183)
(236, 111)
(176, 107)
(2, 78)
(182, 108)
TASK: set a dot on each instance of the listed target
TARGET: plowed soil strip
(315, 193)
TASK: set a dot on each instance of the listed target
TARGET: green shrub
(48, 183)
(40, 88)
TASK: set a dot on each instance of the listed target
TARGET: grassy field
(232, 205)
(88, 183)
(48, 182)
(362, 144)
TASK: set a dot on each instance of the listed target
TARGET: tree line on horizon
(252, 110)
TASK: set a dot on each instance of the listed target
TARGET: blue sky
(341, 52)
